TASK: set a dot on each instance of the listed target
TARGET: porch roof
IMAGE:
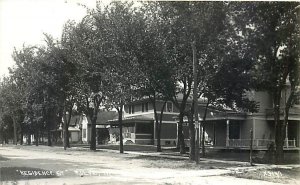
(131, 119)
(218, 115)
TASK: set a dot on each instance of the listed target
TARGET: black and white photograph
(149, 92)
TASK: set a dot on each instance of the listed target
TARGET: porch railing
(129, 135)
(259, 143)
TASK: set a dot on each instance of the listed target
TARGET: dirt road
(52, 165)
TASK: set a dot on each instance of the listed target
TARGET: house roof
(201, 100)
(104, 116)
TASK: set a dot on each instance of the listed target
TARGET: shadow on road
(24, 173)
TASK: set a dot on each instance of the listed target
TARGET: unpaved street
(52, 165)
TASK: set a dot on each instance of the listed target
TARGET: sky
(25, 21)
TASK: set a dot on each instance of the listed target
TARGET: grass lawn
(278, 175)
(140, 148)
(161, 162)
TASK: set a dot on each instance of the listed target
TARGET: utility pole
(195, 100)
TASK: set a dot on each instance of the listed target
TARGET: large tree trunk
(29, 139)
(97, 99)
(203, 139)
(158, 128)
(1, 135)
(120, 112)
(279, 136)
(68, 137)
(66, 129)
(158, 136)
(36, 137)
(203, 128)
(21, 135)
(158, 146)
(192, 137)
(158, 133)
(50, 123)
(49, 138)
(180, 135)
(93, 133)
(15, 131)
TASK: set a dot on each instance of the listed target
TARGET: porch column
(227, 132)
(286, 135)
(177, 144)
(134, 130)
(298, 135)
(214, 130)
(154, 134)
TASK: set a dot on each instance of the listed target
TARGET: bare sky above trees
(24, 21)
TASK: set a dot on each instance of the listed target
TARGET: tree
(272, 31)
(7, 126)
(119, 25)
(188, 22)
(156, 82)
(25, 73)
(12, 99)
(86, 48)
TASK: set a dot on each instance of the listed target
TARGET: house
(74, 131)
(227, 129)
(102, 127)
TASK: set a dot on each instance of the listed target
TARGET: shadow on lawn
(155, 158)
(3, 158)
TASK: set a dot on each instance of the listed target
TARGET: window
(144, 128)
(169, 107)
(131, 109)
(234, 130)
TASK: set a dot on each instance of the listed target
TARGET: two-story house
(228, 129)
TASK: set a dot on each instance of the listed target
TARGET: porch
(236, 134)
(136, 129)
